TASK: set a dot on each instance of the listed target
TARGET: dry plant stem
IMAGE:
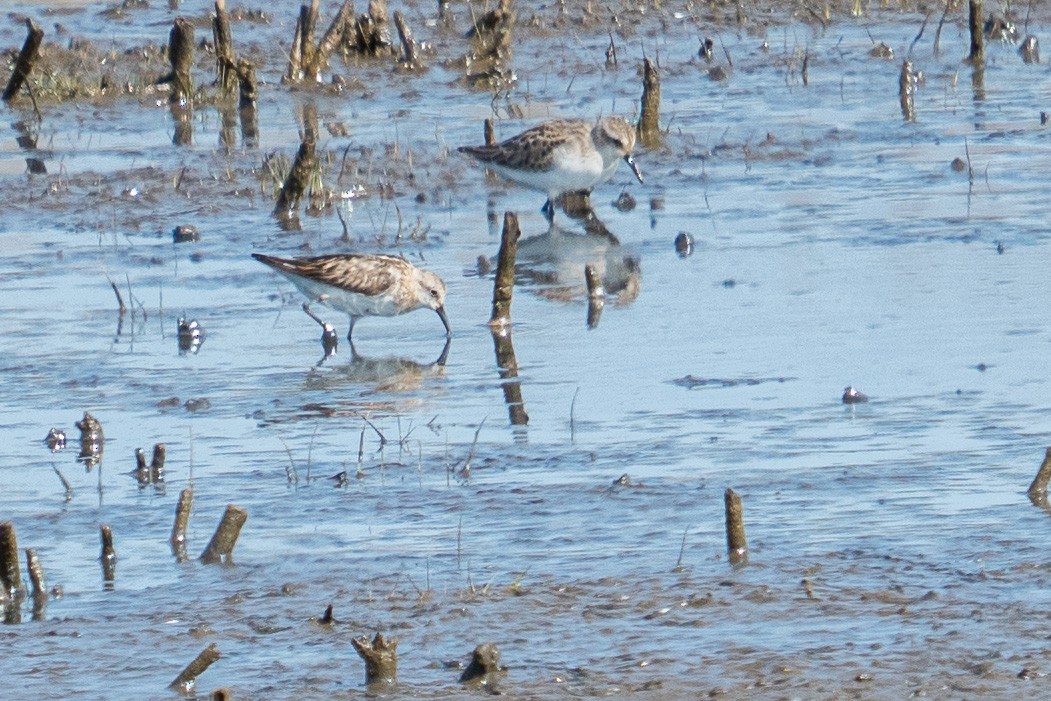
(10, 573)
(976, 22)
(108, 558)
(736, 543)
(596, 295)
(503, 285)
(410, 60)
(508, 364)
(180, 56)
(299, 175)
(330, 40)
(225, 61)
(221, 547)
(24, 62)
(1038, 489)
(36, 576)
(649, 121)
(65, 483)
(248, 92)
(157, 464)
(122, 308)
(188, 677)
(380, 656)
(295, 66)
(489, 132)
(906, 91)
(182, 518)
(308, 50)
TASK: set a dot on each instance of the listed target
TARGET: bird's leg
(549, 211)
(350, 332)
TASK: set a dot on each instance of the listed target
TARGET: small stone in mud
(1000, 248)
(853, 396)
(169, 403)
(1030, 50)
(981, 367)
(56, 440)
(958, 165)
(624, 202)
(484, 266)
(337, 128)
(863, 677)
(683, 244)
(186, 233)
(656, 203)
(881, 50)
(718, 73)
(195, 405)
(729, 283)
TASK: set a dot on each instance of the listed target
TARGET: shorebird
(364, 285)
(563, 155)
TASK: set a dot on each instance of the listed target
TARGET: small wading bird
(560, 156)
(364, 285)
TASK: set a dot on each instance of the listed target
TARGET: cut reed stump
(596, 295)
(182, 517)
(10, 573)
(108, 558)
(187, 678)
(36, 577)
(225, 61)
(907, 91)
(221, 547)
(299, 174)
(92, 440)
(484, 668)
(503, 285)
(1038, 489)
(180, 56)
(160, 452)
(410, 56)
(248, 93)
(736, 543)
(976, 24)
(381, 658)
(648, 128)
(26, 58)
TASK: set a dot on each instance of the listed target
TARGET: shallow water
(844, 250)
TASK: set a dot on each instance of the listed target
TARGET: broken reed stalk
(299, 174)
(182, 518)
(736, 543)
(24, 62)
(225, 61)
(307, 49)
(484, 668)
(180, 56)
(508, 364)
(10, 573)
(503, 285)
(248, 92)
(36, 577)
(411, 61)
(596, 295)
(976, 23)
(1038, 489)
(108, 558)
(380, 656)
(335, 32)
(221, 547)
(648, 128)
(906, 91)
(142, 470)
(188, 676)
(489, 132)
(160, 452)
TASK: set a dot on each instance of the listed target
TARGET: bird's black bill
(634, 168)
(445, 320)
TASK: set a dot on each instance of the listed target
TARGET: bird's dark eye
(434, 293)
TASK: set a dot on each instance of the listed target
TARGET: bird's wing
(365, 274)
(520, 152)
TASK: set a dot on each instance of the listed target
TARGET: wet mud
(834, 197)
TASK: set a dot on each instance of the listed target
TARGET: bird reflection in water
(555, 260)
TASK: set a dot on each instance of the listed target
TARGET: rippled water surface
(893, 549)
